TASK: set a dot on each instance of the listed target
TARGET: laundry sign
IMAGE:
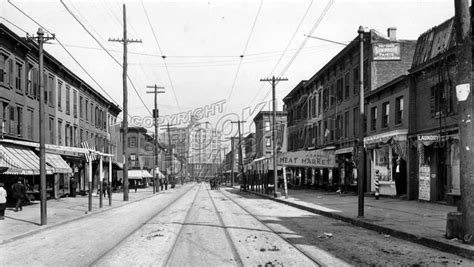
(315, 158)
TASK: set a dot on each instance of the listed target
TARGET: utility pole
(361, 149)
(241, 163)
(462, 24)
(41, 39)
(170, 149)
(125, 42)
(232, 162)
(274, 81)
(155, 141)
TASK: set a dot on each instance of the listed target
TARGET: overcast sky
(203, 41)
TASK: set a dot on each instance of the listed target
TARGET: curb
(47, 227)
(428, 242)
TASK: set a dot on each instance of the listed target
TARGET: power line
(108, 53)
(242, 55)
(162, 56)
(286, 48)
(65, 49)
(316, 24)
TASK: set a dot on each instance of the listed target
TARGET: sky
(215, 51)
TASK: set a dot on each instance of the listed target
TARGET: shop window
(382, 162)
(373, 118)
(385, 114)
(399, 110)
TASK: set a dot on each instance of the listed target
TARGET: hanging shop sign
(386, 51)
(314, 158)
(424, 185)
(428, 140)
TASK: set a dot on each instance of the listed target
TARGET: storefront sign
(344, 150)
(428, 140)
(386, 51)
(399, 135)
(315, 158)
(424, 187)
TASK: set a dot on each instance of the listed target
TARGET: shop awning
(399, 135)
(58, 163)
(146, 174)
(138, 174)
(158, 173)
(344, 150)
(21, 160)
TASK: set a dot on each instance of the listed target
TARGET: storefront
(346, 166)
(387, 153)
(438, 167)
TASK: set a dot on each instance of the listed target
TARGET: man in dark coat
(73, 186)
(18, 193)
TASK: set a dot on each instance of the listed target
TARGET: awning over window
(58, 163)
(21, 161)
(138, 174)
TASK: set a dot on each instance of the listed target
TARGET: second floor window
(81, 102)
(373, 118)
(74, 103)
(268, 141)
(132, 141)
(60, 88)
(385, 114)
(19, 76)
(68, 100)
(267, 126)
(399, 110)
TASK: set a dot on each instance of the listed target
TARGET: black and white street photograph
(266, 133)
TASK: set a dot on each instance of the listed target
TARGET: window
(74, 103)
(385, 114)
(339, 126)
(60, 88)
(68, 100)
(12, 120)
(30, 124)
(320, 99)
(19, 125)
(29, 84)
(87, 110)
(132, 141)
(268, 141)
(60, 136)
(10, 72)
(4, 117)
(399, 110)
(356, 81)
(96, 117)
(346, 85)
(267, 126)
(45, 87)
(366, 74)
(373, 118)
(332, 95)
(81, 102)
(19, 76)
(81, 136)
(440, 101)
(104, 121)
(332, 128)
(355, 120)
(74, 136)
(51, 131)
(325, 99)
(339, 90)
(346, 124)
(3, 68)
(50, 91)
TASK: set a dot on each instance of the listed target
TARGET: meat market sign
(315, 158)
(386, 51)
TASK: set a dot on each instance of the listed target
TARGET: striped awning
(138, 174)
(58, 163)
(21, 161)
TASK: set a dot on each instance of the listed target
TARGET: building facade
(74, 111)
(323, 112)
(263, 132)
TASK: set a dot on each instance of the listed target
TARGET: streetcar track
(272, 230)
(105, 253)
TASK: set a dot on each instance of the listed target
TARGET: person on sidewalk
(400, 177)
(72, 187)
(18, 193)
(3, 201)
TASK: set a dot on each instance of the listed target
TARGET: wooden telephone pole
(41, 39)
(274, 81)
(241, 162)
(155, 141)
(125, 42)
(462, 22)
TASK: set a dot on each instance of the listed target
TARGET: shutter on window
(432, 101)
(2, 68)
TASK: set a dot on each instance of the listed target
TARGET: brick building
(323, 112)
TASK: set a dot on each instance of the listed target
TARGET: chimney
(392, 33)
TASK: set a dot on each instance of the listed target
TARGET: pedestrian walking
(18, 193)
(3, 201)
(72, 187)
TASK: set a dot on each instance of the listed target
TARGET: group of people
(18, 193)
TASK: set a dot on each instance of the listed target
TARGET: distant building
(263, 132)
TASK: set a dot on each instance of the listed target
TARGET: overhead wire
(242, 55)
(316, 24)
(162, 55)
(105, 49)
(65, 49)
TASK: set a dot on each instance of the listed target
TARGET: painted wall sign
(315, 158)
(386, 51)
(425, 180)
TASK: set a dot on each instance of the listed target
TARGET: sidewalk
(62, 210)
(419, 222)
